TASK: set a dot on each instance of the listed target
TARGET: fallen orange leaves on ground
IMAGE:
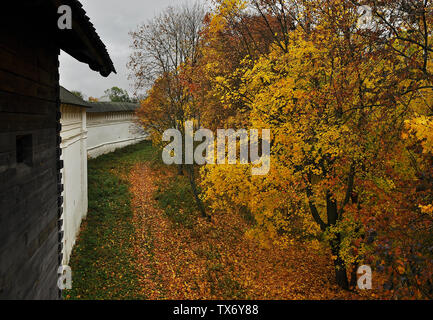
(214, 260)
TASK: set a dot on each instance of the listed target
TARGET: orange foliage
(214, 260)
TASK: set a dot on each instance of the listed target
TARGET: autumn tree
(336, 95)
(403, 30)
(116, 94)
(345, 87)
(233, 31)
(163, 49)
(79, 94)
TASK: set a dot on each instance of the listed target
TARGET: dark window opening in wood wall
(24, 149)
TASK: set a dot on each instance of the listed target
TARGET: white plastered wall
(109, 131)
(74, 174)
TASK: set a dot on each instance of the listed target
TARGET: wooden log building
(30, 178)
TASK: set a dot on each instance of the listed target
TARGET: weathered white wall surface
(87, 135)
(108, 131)
(74, 156)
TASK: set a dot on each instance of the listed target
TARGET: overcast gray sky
(113, 20)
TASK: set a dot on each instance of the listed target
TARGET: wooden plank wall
(29, 194)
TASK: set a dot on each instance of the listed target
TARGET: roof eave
(82, 42)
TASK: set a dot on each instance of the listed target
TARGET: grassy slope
(102, 262)
(209, 260)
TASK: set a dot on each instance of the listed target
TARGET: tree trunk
(198, 201)
(354, 276)
(333, 218)
(340, 274)
(339, 265)
(180, 170)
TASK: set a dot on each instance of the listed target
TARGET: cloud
(113, 20)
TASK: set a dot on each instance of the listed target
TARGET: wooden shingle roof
(67, 97)
(98, 107)
(83, 42)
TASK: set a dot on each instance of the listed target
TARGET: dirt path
(215, 260)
